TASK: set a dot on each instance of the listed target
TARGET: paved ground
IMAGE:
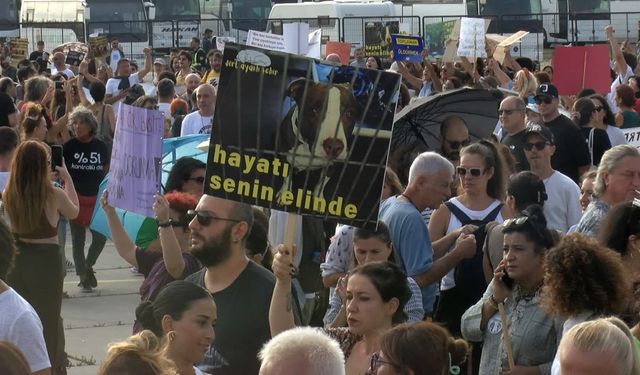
(93, 320)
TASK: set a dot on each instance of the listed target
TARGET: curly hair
(581, 275)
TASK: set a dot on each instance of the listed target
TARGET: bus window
(120, 18)
(589, 6)
(177, 9)
(245, 13)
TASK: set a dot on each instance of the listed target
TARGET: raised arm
(171, 252)
(125, 247)
(435, 78)
(620, 65)
(83, 98)
(281, 308)
(148, 65)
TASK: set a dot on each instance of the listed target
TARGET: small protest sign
(135, 167)
(296, 38)
(273, 42)
(294, 138)
(99, 46)
(377, 38)
(578, 67)
(18, 49)
(503, 45)
(632, 136)
(222, 40)
(471, 43)
(407, 48)
(341, 49)
(315, 44)
(436, 35)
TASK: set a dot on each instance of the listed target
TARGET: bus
(9, 19)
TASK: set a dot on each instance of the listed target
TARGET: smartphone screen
(56, 157)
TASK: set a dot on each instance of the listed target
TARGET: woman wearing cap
(617, 181)
(517, 283)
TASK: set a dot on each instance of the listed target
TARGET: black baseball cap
(547, 89)
(540, 130)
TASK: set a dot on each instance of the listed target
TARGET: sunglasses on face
(538, 146)
(199, 179)
(455, 145)
(543, 99)
(475, 172)
(205, 217)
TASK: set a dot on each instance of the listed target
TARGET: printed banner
(135, 168)
(436, 35)
(578, 67)
(18, 50)
(633, 136)
(407, 48)
(471, 43)
(299, 135)
(377, 37)
(264, 40)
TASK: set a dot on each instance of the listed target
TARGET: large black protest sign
(298, 135)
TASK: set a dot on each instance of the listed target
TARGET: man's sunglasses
(199, 179)
(475, 172)
(538, 146)
(456, 145)
(543, 99)
(205, 217)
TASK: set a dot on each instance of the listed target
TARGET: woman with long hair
(34, 206)
(103, 112)
(585, 115)
(40, 90)
(517, 283)
(184, 315)
(422, 348)
(525, 84)
(481, 174)
(34, 125)
(140, 354)
(605, 120)
(376, 295)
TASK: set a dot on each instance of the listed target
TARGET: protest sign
(471, 42)
(341, 49)
(264, 40)
(633, 136)
(578, 67)
(315, 44)
(500, 50)
(296, 38)
(436, 35)
(407, 48)
(222, 40)
(135, 168)
(287, 141)
(18, 50)
(99, 46)
(377, 37)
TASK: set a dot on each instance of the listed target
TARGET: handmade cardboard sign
(341, 49)
(500, 51)
(135, 168)
(471, 43)
(299, 135)
(99, 46)
(18, 50)
(578, 67)
(436, 35)
(407, 48)
(377, 37)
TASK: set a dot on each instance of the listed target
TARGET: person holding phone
(517, 283)
(87, 159)
(34, 206)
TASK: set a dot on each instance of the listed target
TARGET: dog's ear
(296, 89)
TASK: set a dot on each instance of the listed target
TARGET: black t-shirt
(515, 143)
(243, 322)
(601, 142)
(6, 108)
(87, 164)
(570, 153)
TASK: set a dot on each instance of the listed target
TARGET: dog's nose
(333, 147)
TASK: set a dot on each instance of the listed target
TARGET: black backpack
(469, 274)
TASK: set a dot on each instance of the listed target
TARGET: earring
(453, 370)
(171, 335)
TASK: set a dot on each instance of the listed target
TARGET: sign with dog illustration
(299, 135)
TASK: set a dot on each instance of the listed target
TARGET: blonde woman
(525, 83)
(140, 354)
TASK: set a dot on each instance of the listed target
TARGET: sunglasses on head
(543, 99)
(205, 217)
(199, 179)
(475, 172)
(455, 145)
(538, 146)
(515, 221)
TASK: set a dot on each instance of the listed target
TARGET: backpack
(469, 274)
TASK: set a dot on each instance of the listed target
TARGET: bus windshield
(9, 14)
(123, 19)
(243, 9)
(177, 9)
(589, 6)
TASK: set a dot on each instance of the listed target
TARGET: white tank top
(448, 281)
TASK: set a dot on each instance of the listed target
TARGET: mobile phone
(508, 282)
(56, 157)
(59, 85)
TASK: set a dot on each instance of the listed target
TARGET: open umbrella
(172, 150)
(418, 124)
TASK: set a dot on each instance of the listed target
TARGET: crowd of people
(516, 254)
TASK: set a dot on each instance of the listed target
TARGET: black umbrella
(418, 124)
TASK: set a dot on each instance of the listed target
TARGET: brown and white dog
(316, 131)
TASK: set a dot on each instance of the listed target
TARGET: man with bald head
(454, 135)
(59, 66)
(201, 121)
(191, 81)
(512, 115)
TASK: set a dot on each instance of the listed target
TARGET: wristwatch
(166, 224)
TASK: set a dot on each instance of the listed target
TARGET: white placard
(294, 39)
(314, 44)
(471, 43)
(264, 40)
(222, 40)
(632, 136)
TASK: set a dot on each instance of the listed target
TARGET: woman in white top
(482, 184)
(605, 120)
